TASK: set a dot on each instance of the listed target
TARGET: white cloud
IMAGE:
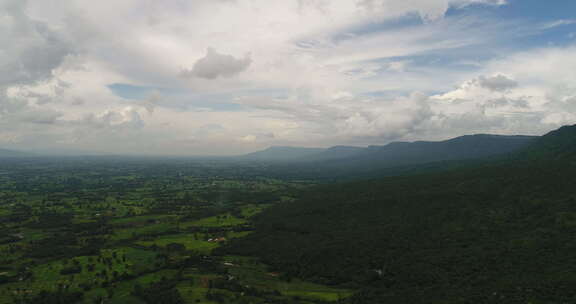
(30, 50)
(215, 65)
(125, 118)
(348, 118)
(499, 83)
(557, 23)
(540, 98)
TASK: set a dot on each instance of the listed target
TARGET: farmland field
(138, 232)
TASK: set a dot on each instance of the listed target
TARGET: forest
(500, 231)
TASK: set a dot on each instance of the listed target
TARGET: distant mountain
(336, 152)
(420, 152)
(279, 153)
(398, 153)
(12, 153)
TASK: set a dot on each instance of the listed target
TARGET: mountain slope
(559, 143)
(335, 153)
(493, 233)
(420, 152)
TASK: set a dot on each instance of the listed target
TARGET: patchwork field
(138, 235)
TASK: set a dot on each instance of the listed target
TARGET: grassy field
(254, 273)
(227, 219)
(114, 272)
(129, 230)
(142, 219)
(93, 272)
(121, 292)
(192, 241)
(216, 221)
(135, 232)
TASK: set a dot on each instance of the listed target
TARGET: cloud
(525, 93)
(537, 94)
(127, 118)
(429, 10)
(320, 72)
(215, 65)
(31, 52)
(557, 23)
(247, 138)
(209, 130)
(498, 83)
(349, 118)
(504, 101)
(17, 109)
(254, 138)
(36, 116)
(30, 49)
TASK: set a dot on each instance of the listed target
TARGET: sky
(225, 77)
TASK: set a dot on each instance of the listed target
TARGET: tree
(175, 247)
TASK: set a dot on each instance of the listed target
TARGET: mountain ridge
(398, 153)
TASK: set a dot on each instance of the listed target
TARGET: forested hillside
(492, 233)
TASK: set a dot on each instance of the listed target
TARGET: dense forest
(500, 231)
